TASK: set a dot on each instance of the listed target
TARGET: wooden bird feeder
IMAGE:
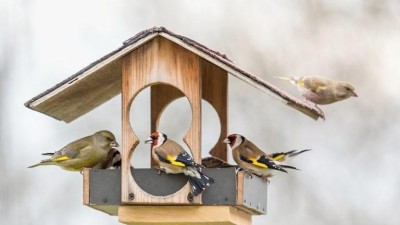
(173, 66)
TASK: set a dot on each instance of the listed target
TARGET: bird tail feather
(296, 153)
(199, 184)
(43, 163)
(48, 153)
(288, 167)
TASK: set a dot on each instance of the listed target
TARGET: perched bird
(82, 153)
(253, 160)
(111, 161)
(321, 90)
(172, 158)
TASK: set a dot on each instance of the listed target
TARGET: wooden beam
(86, 186)
(214, 81)
(182, 215)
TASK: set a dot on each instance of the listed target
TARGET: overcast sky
(350, 177)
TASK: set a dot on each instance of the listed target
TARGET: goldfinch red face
(156, 139)
(234, 140)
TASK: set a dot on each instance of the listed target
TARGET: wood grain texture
(86, 187)
(214, 81)
(239, 186)
(182, 215)
(82, 94)
(159, 62)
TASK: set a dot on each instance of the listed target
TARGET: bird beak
(355, 94)
(114, 144)
(226, 141)
(148, 141)
(283, 78)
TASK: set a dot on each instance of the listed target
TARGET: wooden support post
(159, 61)
(214, 81)
(183, 215)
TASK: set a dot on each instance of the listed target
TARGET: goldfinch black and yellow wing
(283, 156)
(181, 159)
(262, 162)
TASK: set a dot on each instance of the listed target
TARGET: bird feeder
(173, 66)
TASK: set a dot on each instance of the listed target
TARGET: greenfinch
(172, 158)
(321, 90)
(86, 152)
(253, 160)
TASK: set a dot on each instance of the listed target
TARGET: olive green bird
(321, 90)
(86, 152)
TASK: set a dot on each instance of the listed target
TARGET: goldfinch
(86, 152)
(252, 159)
(172, 158)
(321, 90)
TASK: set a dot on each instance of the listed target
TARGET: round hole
(175, 121)
(211, 127)
(140, 122)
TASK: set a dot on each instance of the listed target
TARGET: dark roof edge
(212, 53)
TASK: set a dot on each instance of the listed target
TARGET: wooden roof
(101, 80)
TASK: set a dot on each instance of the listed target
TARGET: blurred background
(350, 177)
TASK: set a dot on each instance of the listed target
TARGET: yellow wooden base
(180, 215)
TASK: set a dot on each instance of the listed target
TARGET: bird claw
(321, 112)
(249, 175)
(265, 179)
(237, 170)
(159, 169)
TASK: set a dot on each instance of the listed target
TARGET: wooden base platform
(182, 215)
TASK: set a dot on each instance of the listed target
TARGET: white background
(350, 177)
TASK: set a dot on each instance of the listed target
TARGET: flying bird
(86, 152)
(253, 160)
(172, 158)
(321, 90)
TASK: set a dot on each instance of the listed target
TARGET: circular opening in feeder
(174, 119)
(210, 127)
(139, 116)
